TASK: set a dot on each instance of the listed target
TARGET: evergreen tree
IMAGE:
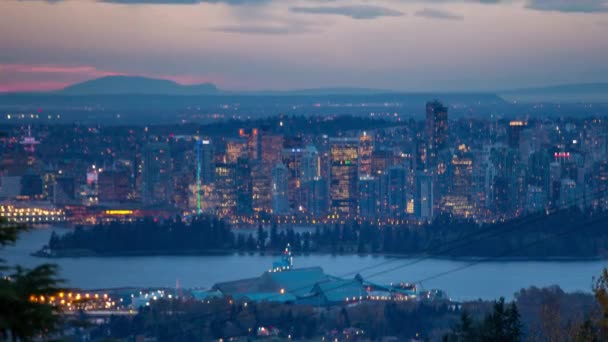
(22, 318)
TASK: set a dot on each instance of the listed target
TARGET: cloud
(185, 2)
(434, 13)
(355, 11)
(260, 29)
(578, 6)
(167, 2)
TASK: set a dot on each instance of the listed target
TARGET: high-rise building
(397, 194)
(514, 133)
(244, 187)
(568, 194)
(423, 198)
(225, 187)
(344, 175)
(536, 199)
(368, 196)
(114, 186)
(156, 174)
(253, 142)
(207, 162)
(270, 152)
(235, 149)
(64, 190)
(366, 148)
(436, 130)
(280, 200)
(381, 161)
(458, 200)
(318, 197)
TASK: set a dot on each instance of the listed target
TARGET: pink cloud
(31, 86)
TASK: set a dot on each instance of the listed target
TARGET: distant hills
(115, 85)
(138, 85)
(591, 92)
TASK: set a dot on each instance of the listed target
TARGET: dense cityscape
(399, 173)
(303, 170)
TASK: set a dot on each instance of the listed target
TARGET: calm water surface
(486, 280)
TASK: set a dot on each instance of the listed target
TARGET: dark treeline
(221, 318)
(546, 314)
(568, 233)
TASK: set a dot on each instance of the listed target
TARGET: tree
(600, 290)
(24, 309)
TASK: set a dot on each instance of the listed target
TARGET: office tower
(225, 187)
(244, 187)
(381, 161)
(555, 177)
(344, 175)
(292, 160)
(536, 199)
(235, 149)
(156, 174)
(458, 200)
(64, 190)
(114, 185)
(368, 196)
(423, 196)
(261, 171)
(207, 161)
(32, 185)
(436, 130)
(514, 133)
(271, 146)
(539, 170)
(311, 164)
(366, 148)
(397, 186)
(280, 201)
(568, 193)
(318, 201)
(253, 142)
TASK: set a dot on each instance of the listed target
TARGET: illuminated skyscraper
(368, 196)
(344, 175)
(271, 147)
(244, 186)
(156, 174)
(436, 130)
(280, 201)
(225, 187)
(366, 148)
(235, 149)
(397, 199)
(423, 197)
(207, 162)
(514, 132)
(458, 200)
(253, 142)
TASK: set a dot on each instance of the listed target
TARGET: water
(486, 280)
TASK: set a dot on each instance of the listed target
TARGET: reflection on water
(487, 280)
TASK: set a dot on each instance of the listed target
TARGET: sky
(409, 45)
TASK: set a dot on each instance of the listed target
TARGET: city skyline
(407, 45)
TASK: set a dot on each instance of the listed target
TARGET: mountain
(584, 92)
(115, 85)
